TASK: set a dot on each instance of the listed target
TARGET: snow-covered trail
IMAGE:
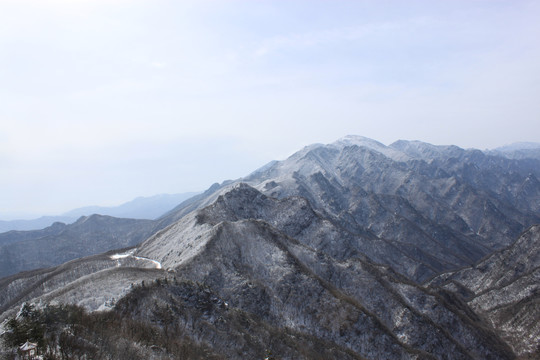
(157, 263)
(130, 254)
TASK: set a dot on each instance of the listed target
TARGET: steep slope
(505, 288)
(59, 243)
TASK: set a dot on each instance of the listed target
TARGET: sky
(102, 101)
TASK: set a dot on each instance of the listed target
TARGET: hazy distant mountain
(521, 150)
(139, 208)
(329, 254)
(518, 146)
(54, 245)
(34, 224)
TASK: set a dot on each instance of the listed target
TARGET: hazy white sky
(105, 100)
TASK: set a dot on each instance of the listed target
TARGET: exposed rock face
(332, 246)
(59, 243)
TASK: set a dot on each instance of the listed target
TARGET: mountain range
(351, 250)
(140, 208)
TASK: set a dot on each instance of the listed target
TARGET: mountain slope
(505, 288)
(95, 282)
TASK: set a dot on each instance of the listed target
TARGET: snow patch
(129, 254)
(157, 263)
(122, 256)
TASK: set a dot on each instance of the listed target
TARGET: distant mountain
(34, 224)
(59, 243)
(518, 146)
(139, 208)
(521, 150)
(351, 250)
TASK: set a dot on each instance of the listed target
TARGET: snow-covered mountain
(351, 250)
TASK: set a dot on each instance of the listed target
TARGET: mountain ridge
(148, 208)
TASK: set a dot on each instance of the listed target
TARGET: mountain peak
(364, 142)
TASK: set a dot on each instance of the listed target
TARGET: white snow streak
(130, 254)
(122, 256)
(158, 264)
